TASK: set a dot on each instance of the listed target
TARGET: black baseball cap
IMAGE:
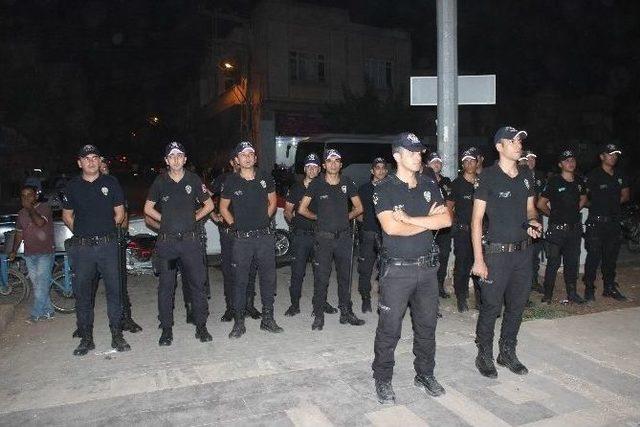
(508, 132)
(526, 154)
(470, 153)
(311, 159)
(408, 141)
(610, 149)
(377, 161)
(173, 147)
(244, 146)
(434, 156)
(331, 153)
(88, 149)
(566, 154)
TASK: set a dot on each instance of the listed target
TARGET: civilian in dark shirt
(369, 232)
(184, 200)
(561, 200)
(607, 190)
(505, 192)
(93, 204)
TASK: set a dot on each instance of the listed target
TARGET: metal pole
(446, 11)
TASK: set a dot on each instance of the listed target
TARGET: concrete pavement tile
(308, 415)
(395, 416)
(518, 391)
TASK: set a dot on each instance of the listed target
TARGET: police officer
(226, 250)
(505, 193)
(409, 206)
(561, 200)
(251, 194)
(443, 238)
(461, 203)
(302, 231)
(93, 205)
(529, 160)
(332, 193)
(369, 232)
(607, 189)
(179, 191)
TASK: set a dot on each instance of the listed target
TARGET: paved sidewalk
(585, 371)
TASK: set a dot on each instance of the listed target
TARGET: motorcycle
(630, 223)
(140, 254)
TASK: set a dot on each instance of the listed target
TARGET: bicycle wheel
(63, 300)
(17, 289)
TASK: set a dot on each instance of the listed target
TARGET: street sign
(472, 90)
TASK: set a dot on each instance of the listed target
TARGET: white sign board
(472, 90)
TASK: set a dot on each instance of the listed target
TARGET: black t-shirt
(369, 219)
(538, 181)
(294, 195)
(445, 187)
(249, 199)
(506, 200)
(332, 202)
(392, 193)
(462, 196)
(564, 199)
(604, 192)
(179, 201)
(92, 204)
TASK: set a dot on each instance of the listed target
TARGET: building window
(306, 67)
(379, 73)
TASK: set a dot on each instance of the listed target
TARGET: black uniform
(462, 195)
(369, 239)
(564, 232)
(603, 234)
(303, 238)
(179, 243)
(254, 239)
(94, 247)
(408, 278)
(538, 184)
(443, 239)
(333, 239)
(227, 237)
(510, 266)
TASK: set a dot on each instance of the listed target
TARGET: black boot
(203, 334)
(293, 309)
(535, 286)
(384, 391)
(508, 358)
(589, 292)
(77, 333)
(129, 325)
(238, 327)
(612, 291)
(572, 294)
(268, 322)
(548, 293)
(329, 309)
(347, 316)
(250, 309)
(484, 362)
(366, 304)
(117, 340)
(86, 342)
(318, 322)
(228, 315)
(429, 384)
(462, 305)
(189, 308)
(442, 292)
(166, 338)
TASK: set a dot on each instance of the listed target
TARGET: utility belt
(186, 235)
(253, 233)
(92, 240)
(499, 248)
(426, 261)
(565, 227)
(333, 234)
(463, 227)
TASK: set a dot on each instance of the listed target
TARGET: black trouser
(327, 249)
(86, 262)
(537, 247)
(443, 239)
(509, 283)
(367, 255)
(562, 245)
(122, 258)
(402, 286)
(463, 251)
(226, 260)
(302, 242)
(602, 241)
(261, 250)
(187, 252)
